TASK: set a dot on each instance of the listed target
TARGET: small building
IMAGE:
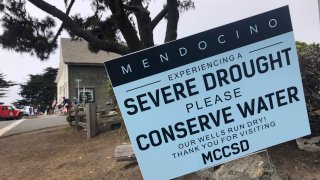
(81, 73)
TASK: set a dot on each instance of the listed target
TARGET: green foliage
(185, 5)
(309, 59)
(108, 23)
(103, 29)
(113, 101)
(4, 84)
(40, 89)
(70, 119)
(23, 33)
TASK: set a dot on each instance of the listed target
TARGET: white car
(26, 111)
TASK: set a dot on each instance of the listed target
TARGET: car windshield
(10, 108)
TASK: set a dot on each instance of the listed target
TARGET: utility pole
(84, 95)
(78, 81)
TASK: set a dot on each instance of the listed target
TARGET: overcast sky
(207, 14)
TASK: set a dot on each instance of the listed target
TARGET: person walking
(66, 104)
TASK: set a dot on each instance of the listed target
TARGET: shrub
(70, 119)
(309, 59)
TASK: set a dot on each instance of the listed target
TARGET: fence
(87, 119)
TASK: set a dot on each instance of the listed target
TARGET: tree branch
(62, 25)
(132, 8)
(173, 18)
(159, 17)
(68, 22)
(128, 31)
(144, 24)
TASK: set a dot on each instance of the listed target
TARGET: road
(8, 128)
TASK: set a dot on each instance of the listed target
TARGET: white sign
(212, 97)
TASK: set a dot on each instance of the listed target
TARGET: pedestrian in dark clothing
(66, 103)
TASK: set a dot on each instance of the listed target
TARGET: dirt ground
(64, 153)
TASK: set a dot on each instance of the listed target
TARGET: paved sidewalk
(32, 123)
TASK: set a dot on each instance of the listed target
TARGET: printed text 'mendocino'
(202, 45)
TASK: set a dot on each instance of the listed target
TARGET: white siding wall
(62, 83)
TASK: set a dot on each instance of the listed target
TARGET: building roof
(77, 52)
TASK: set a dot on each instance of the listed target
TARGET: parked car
(27, 111)
(8, 112)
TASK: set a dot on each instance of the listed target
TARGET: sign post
(78, 81)
(212, 97)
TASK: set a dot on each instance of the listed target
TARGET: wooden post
(91, 114)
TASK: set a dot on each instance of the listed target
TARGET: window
(10, 108)
(86, 95)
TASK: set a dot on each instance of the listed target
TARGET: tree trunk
(173, 18)
(144, 24)
(125, 26)
(72, 26)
